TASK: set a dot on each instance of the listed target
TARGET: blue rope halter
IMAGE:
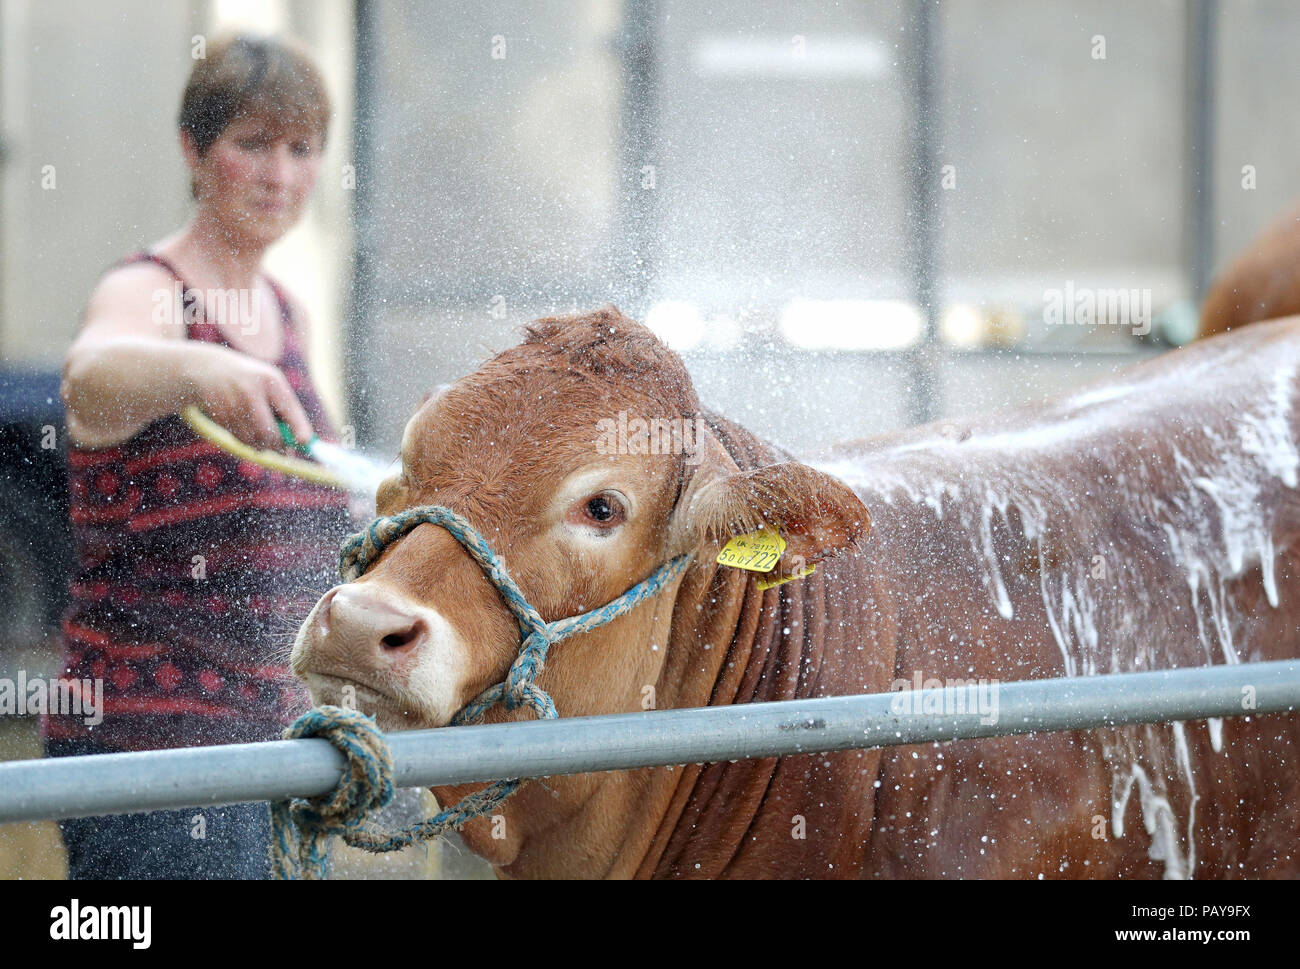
(367, 784)
(363, 549)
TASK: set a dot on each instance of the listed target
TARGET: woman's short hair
(248, 76)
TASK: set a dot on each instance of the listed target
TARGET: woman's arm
(131, 364)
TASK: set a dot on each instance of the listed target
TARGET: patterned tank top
(192, 569)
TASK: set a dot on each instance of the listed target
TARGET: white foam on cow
(1215, 519)
(1215, 725)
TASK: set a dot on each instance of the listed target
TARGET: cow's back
(1147, 522)
(1262, 283)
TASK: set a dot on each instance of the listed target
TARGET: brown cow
(1146, 522)
(1262, 283)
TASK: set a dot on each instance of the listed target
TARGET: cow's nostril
(323, 612)
(406, 638)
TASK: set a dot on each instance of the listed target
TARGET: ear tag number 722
(754, 551)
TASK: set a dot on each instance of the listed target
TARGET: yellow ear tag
(755, 551)
(762, 584)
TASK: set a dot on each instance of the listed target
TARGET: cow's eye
(604, 510)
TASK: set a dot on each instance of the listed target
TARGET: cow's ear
(818, 515)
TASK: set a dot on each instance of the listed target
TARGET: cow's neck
(832, 633)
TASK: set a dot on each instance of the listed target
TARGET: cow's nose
(360, 617)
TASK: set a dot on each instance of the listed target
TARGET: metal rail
(204, 776)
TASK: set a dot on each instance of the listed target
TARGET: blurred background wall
(704, 165)
(708, 165)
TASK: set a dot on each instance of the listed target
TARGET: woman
(192, 566)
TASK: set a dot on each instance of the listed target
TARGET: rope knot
(365, 785)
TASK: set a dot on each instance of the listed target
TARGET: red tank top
(192, 569)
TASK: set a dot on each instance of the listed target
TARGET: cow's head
(580, 455)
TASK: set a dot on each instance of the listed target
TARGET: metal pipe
(637, 228)
(1200, 72)
(202, 776)
(923, 210)
(360, 361)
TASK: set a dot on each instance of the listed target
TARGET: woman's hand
(244, 395)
